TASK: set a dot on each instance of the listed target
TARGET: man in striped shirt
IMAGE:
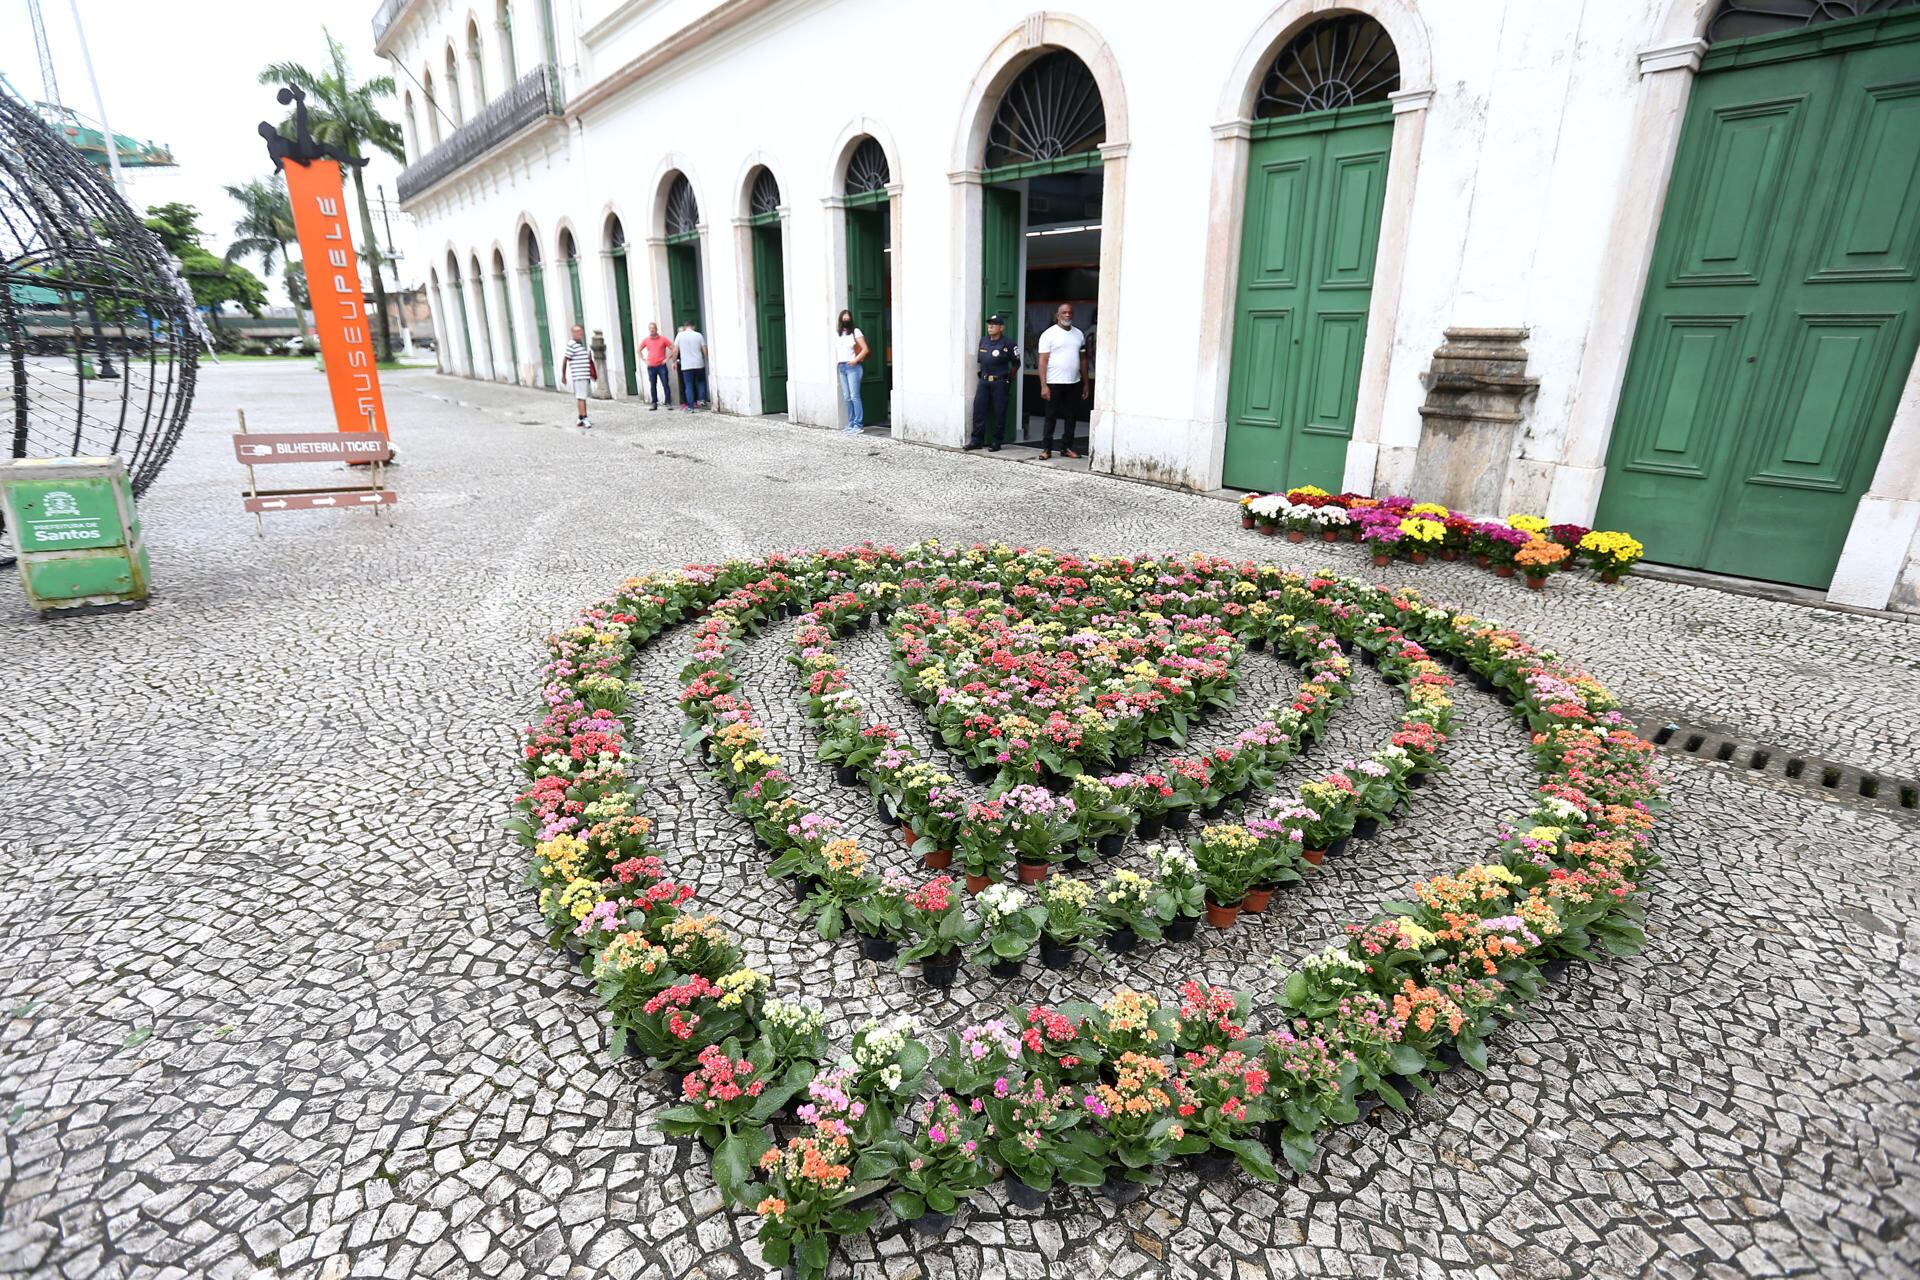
(577, 368)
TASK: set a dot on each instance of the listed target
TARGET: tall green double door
(868, 298)
(770, 313)
(1782, 308)
(1315, 189)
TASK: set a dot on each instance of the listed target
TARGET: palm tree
(266, 223)
(348, 116)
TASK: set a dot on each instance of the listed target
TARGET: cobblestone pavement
(275, 1003)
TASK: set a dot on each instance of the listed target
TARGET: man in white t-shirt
(1063, 379)
(692, 346)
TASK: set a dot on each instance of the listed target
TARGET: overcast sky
(186, 74)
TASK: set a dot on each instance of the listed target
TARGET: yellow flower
(1429, 509)
(1528, 524)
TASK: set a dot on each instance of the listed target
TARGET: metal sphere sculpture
(98, 334)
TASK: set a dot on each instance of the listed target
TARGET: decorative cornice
(1241, 129)
(1684, 56)
(723, 18)
(1114, 150)
(1410, 100)
(964, 177)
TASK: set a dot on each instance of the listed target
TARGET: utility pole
(393, 259)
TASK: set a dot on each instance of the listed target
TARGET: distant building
(1650, 264)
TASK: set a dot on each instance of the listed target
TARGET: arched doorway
(480, 306)
(460, 307)
(769, 287)
(442, 358)
(570, 258)
(536, 290)
(1777, 327)
(506, 316)
(1315, 189)
(1042, 195)
(869, 271)
(682, 223)
(622, 302)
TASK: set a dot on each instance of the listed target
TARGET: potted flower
(1275, 856)
(1538, 558)
(1569, 536)
(1038, 823)
(1135, 1114)
(1503, 543)
(1330, 802)
(1210, 1015)
(1126, 903)
(1039, 1137)
(938, 926)
(1383, 539)
(941, 1162)
(879, 916)
(1223, 855)
(978, 1057)
(1246, 516)
(1458, 540)
(1419, 536)
(1101, 817)
(1071, 924)
(1179, 897)
(677, 1022)
(1265, 511)
(1009, 927)
(810, 1186)
(1222, 1103)
(983, 844)
(1331, 521)
(844, 881)
(628, 972)
(795, 1035)
(1611, 554)
(1152, 797)
(726, 1101)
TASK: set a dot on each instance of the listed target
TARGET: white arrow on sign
(271, 505)
(323, 502)
(257, 450)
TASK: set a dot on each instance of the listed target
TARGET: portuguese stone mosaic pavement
(275, 1003)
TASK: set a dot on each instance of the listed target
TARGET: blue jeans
(850, 394)
(693, 381)
(658, 384)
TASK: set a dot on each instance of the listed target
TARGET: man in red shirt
(654, 348)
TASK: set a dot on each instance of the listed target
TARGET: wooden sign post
(369, 447)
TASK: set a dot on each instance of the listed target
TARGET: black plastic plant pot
(1023, 1196)
(1416, 780)
(1481, 683)
(932, 1225)
(1177, 819)
(676, 1079)
(1447, 1056)
(1365, 1106)
(1256, 644)
(1339, 847)
(846, 775)
(1053, 955)
(1183, 929)
(1214, 810)
(1368, 658)
(1005, 968)
(1554, 969)
(1121, 1190)
(981, 774)
(1110, 846)
(1150, 828)
(880, 807)
(803, 887)
(939, 971)
(1366, 828)
(1122, 940)
(878, 949)
(1210, 1166)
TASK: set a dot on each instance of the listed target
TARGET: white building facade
(1650, 264)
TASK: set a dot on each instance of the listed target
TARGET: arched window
(453, 89)
(616, 235)
(683, 211)
(1052, 109)
(529, 248)
(433, 108)
(867, 168)
(507, 62)
(1738, 19)
(1337, 62)
(765, 195)
(413, 138)
(479, 65)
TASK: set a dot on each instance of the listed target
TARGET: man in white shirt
(577, 371)
(1063, 381)
(693, 366)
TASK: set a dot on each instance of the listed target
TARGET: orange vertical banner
(333, 285)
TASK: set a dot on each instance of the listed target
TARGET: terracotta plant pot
(1418, 557)
(976, 885)
(1483, 561)
(1381, 562)
(1246, 522)
(1536, 584)
(1030, 873)
(937, 859)
(1449, 554)
(1296, 535)
(907, 837)
(1222, 917)
(1256, 901)
(1609, 575)
(1268, 530)
(1329, 535)
(1314, 856)
(1503, 571)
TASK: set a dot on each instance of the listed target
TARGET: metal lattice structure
(765, 197)
(1052, 109)
(683, 211)
(1346, 61)
(1739, 19)
(867, 168)
(98, 334)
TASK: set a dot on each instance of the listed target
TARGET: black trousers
(990, 410)
(1063, 406)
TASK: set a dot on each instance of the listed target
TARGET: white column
(1113, 214)
(1207, 438)
(1880, 564)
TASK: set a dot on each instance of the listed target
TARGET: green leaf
(1390, 1095)
(1407, 1060)
(1296, 990)
(733, 1167)
(1298, 1147)
(941, 1200)
(1473, 1052)
(906, 1205)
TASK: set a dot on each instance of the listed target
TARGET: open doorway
(1060, 263)
(870, 276)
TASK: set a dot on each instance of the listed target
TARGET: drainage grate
(1802, 770)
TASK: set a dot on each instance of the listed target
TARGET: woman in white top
(850, 347)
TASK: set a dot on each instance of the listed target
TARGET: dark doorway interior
(1062, 238)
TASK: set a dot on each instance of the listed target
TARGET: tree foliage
(212, 279)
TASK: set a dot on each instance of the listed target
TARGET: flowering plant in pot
(942, 1160)
(1539, 558)
(1330, 801)
(794, 1032)
(1611, 553)
(1071, 923)
(1135, 1114)
(983, 844)
(1306, 1083)
(1331, 522)
(1151, 796)
(1503, 542)
(810, 1186)
(1038, 824)
(1569, 536)
(880, 916)
(938, 927)
(677, 1022)
(1126, 903)
(1383, 539)
(1531, 525)
(1265, 511)
(1419, 537)
(978, 1056)
(628, 971)
(1458, 538)
(883, 1066)
(1194, 787)
(1276, 853)
(1222, 1105)
(1178, 896)
(1223, 855)
(1101, 817)
(1009, 927)
(699, 945)
(1246, 516)
(726, 1102)
(1209, 1015)
(844, 882)
(1038, 1134)
(1129, 1021)
(807, 837)
(1057, 1045)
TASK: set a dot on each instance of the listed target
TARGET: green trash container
(75, 531)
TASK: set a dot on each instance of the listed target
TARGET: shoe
(1071, 454)
(652, 407)
(853, 431)
(586, 424)
(1044, 455)
(993, 448)
(971, 445)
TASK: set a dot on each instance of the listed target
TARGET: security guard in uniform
(999, 366)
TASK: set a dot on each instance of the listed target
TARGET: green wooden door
(513, 340)
(770, 298)
(579, 299)
(1782, 310)
(623, 297)
(1314, 195)
(542, 331)
(1000, 256)
(466, 326)
(683, 280)
(867, 299)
